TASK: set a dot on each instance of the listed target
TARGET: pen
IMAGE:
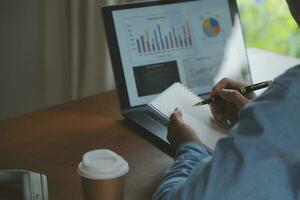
(244, 90)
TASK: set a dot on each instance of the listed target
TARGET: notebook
(199, 118)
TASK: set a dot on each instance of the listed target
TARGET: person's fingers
(178, 112)
(216, 112)
(176, 115)
(227, 84)
(221, 84)
(234, 97)
(233, 84)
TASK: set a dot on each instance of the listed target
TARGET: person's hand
(227, 110)
(179, 132)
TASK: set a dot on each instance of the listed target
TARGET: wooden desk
(52, 141)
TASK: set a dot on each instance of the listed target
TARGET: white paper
(199, 117)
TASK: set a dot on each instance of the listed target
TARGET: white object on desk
(265, 65)
(199, 118)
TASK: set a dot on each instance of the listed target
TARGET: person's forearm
(188, 156)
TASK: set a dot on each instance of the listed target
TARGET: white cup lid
(102, 164)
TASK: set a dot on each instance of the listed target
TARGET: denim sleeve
(189, 156)
(259, 159)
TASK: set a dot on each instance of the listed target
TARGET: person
(260, 158)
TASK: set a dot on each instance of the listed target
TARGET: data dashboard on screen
(181, 42)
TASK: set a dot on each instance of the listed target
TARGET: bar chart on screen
(159, 36)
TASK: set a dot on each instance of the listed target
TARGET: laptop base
(151, 130)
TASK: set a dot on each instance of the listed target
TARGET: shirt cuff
(192, 149)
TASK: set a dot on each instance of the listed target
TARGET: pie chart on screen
(211, 27)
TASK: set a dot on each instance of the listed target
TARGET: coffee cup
(102, 175)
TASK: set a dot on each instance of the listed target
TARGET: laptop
(154, 44)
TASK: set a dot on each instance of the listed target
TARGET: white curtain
(77, 63)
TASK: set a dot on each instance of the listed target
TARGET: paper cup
(102, 175)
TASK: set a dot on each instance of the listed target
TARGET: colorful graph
(161, 36)
(211, 27)
(157, 40)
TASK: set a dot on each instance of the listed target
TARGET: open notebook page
(199, 118)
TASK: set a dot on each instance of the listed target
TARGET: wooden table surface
(52, 141)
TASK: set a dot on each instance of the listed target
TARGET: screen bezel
(113, 46)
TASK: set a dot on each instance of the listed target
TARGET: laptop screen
(195, 43)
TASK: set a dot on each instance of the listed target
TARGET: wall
(21, 72)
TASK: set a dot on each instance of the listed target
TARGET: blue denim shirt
(259, 160)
